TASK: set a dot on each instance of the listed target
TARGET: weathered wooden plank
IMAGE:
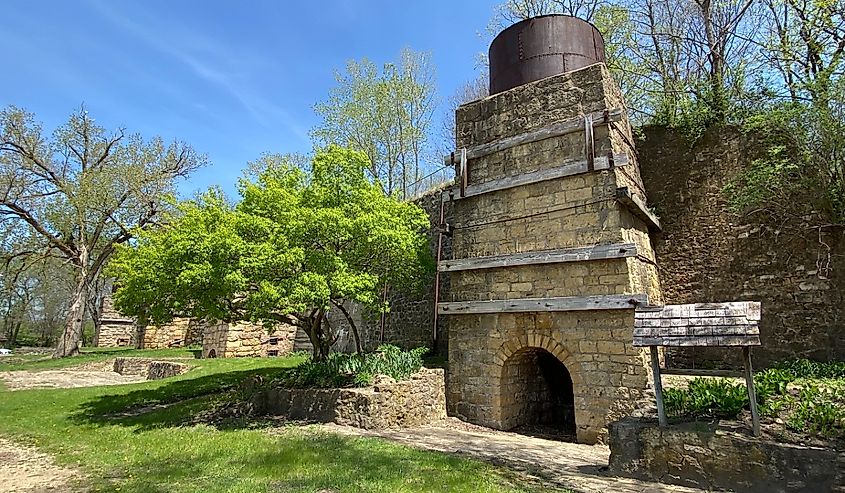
(752, 394)
(694, 372)
(597, 252)
(749, 309)
(575, 168)
(554, 130)
(637, 208)
(698, 341)
(558, 304)
(658, 386)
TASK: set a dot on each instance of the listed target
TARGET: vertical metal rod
(752, 394)
(658, 386)
(437, 274)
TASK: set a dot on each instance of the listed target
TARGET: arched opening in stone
(212, 353)
(537, 395)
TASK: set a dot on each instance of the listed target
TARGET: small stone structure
(178, 333)
(244, 339)
(705, 456)
(115, 329)
(388, 404)
(149, 368)
(551, 254)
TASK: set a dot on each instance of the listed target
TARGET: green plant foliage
(707, 397)
(355, 370)
(818, 411)
(804, 368)
(803, 162)
(296, 246)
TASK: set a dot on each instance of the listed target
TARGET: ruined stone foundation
(551, 254)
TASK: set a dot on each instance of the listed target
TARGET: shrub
(354, 370)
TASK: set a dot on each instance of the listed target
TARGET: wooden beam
(598, 252)
(694, 372)
(554, 130)
(658, 387)
(752, 394)
(638, 208)
(575, 168)
(559, 304)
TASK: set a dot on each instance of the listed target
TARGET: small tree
(82, 193)
(296, 246)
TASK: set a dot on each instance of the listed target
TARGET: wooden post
(752, 395)
(658, 386)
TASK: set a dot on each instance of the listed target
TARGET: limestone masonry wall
(417, 401)
(245, 339)
(115, 329)
(180, 332)
(707, 253)
(586, 358)
(702, 456)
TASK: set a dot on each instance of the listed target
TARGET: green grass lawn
(153, 437)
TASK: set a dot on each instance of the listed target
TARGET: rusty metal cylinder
(540, 47)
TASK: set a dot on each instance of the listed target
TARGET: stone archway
(537, 395)
(212, 353)
(552, 366)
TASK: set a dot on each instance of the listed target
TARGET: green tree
(297, 245)
(387, 115)
(83, 192)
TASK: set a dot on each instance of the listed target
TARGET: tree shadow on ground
(218, 400)
(308, 461)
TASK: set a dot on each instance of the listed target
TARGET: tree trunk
(353, 327)
(68, 344)
(319, 342)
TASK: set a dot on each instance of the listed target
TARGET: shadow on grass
(210, 399)
(308, 461)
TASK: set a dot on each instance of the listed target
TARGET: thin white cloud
(208, 60)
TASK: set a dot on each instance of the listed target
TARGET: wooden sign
(732, 324)
(704, 324)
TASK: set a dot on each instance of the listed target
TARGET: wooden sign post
(734, 324)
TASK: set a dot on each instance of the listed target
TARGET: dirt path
(546, 462)
(24, 469)
(84, 375)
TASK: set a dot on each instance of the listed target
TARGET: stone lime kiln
(551, 249)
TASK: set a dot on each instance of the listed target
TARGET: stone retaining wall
(149, 368)
(388, 404)
(704, 456)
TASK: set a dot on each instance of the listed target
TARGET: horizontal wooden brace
(598, 252)
(559, 304)
(575, 168)
(693, 372)
(699, 341)
(554, 130)
(638, 208)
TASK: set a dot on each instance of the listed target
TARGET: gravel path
(543, 462)
(24, 469)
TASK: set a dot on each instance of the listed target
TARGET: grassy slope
(139, 438)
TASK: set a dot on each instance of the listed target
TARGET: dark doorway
(212, 353)
(537, 395)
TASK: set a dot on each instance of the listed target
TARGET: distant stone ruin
(115, 329)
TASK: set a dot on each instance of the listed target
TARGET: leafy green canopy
(296, 244)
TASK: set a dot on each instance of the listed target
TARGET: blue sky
(233, 79)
